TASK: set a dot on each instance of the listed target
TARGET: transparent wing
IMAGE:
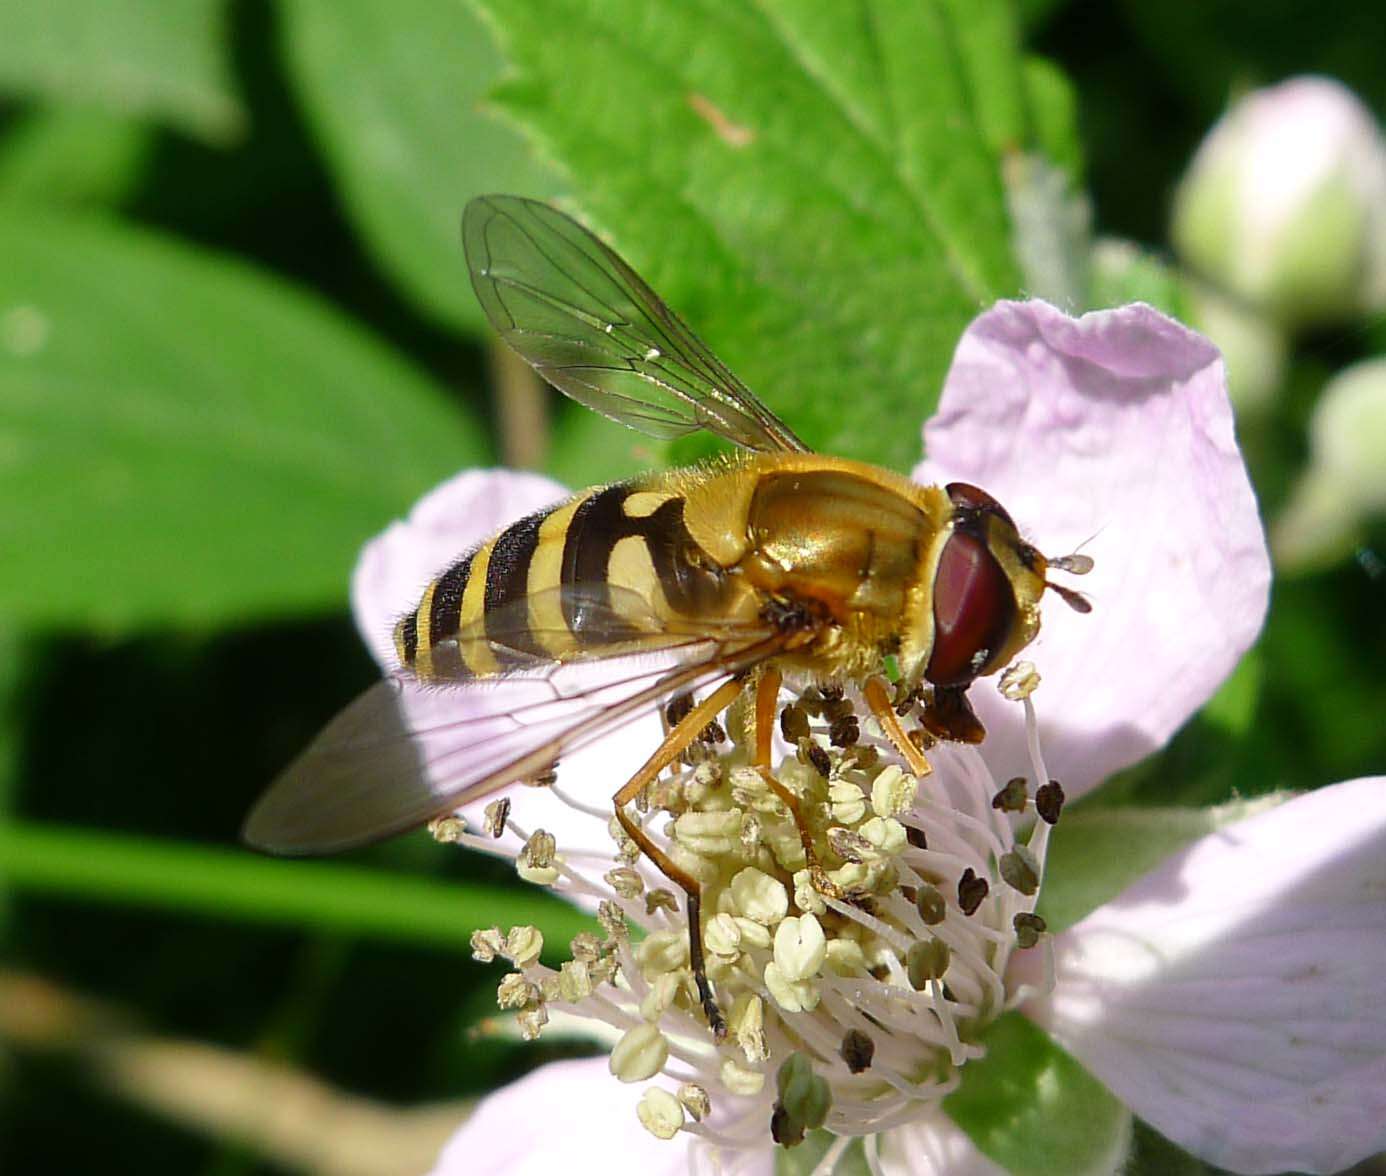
(574, 622)
(405, 752)
(591, 326)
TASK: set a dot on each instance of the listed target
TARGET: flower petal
(1233, 996)
(930, 1145)
(575, 1113)
(1113, 430)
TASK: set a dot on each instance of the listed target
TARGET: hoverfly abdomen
(605, 569)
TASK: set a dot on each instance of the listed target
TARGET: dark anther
(865, 756)
(971, 891)
(857, 1050)
(819, 759)
(831, 693)
(845, 731)
(1049, 801)
(836, 708)
(1028, 929)
(915, 836)
(783, 1129)
(920, 738)
(677, 708)
(713, 733)
(501, 817)
(794, 724)
(1011, 799)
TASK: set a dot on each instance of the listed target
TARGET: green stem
(309, 895)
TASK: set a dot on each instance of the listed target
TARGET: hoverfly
(718, 579)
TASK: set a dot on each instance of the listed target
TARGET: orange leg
(767, 701)
(684, 732)
(878, 700)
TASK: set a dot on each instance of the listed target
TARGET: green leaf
(231, 884)
(815, 187)
(183, 440)
(394, 92)
(1034, 1110)
(1053, 104)
(63, 155)
(1096, 852)
(137, 58)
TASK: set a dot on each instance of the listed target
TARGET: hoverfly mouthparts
(718, 580)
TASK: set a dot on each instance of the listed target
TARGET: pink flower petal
(1113, 431)
(574, 1116)
(1233, 997)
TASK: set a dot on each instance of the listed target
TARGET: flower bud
(1345, 480)
(1284, 205)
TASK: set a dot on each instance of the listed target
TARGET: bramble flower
(1227, 996)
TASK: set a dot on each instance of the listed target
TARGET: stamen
(854, 917)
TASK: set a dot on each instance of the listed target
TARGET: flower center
(858, 950)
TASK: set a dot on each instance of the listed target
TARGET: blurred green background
(237, 339)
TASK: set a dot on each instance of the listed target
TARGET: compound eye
(974, 609)
(970, 497)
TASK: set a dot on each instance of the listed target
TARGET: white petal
(933, 1145)
(1113, 430)
(573, 1117)
(1234, 996)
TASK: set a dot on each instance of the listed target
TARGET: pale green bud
(1345, 480)
(1284, 205)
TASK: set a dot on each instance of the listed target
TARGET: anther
(676, 710)
(1012, 798)
(1028, 929)
(971, 891)
(845, 731)
(1020, 870)
(660, 900)
(794, 724)
(857, 1050)
(818, 758)
(447, 830)
(713, 733)
(931, 905)
(496, 815)
(1049, 801)
(1019, 681)
(926, 960)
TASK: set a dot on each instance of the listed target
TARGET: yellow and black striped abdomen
(599, 571)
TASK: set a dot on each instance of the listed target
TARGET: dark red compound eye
(974, 609)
